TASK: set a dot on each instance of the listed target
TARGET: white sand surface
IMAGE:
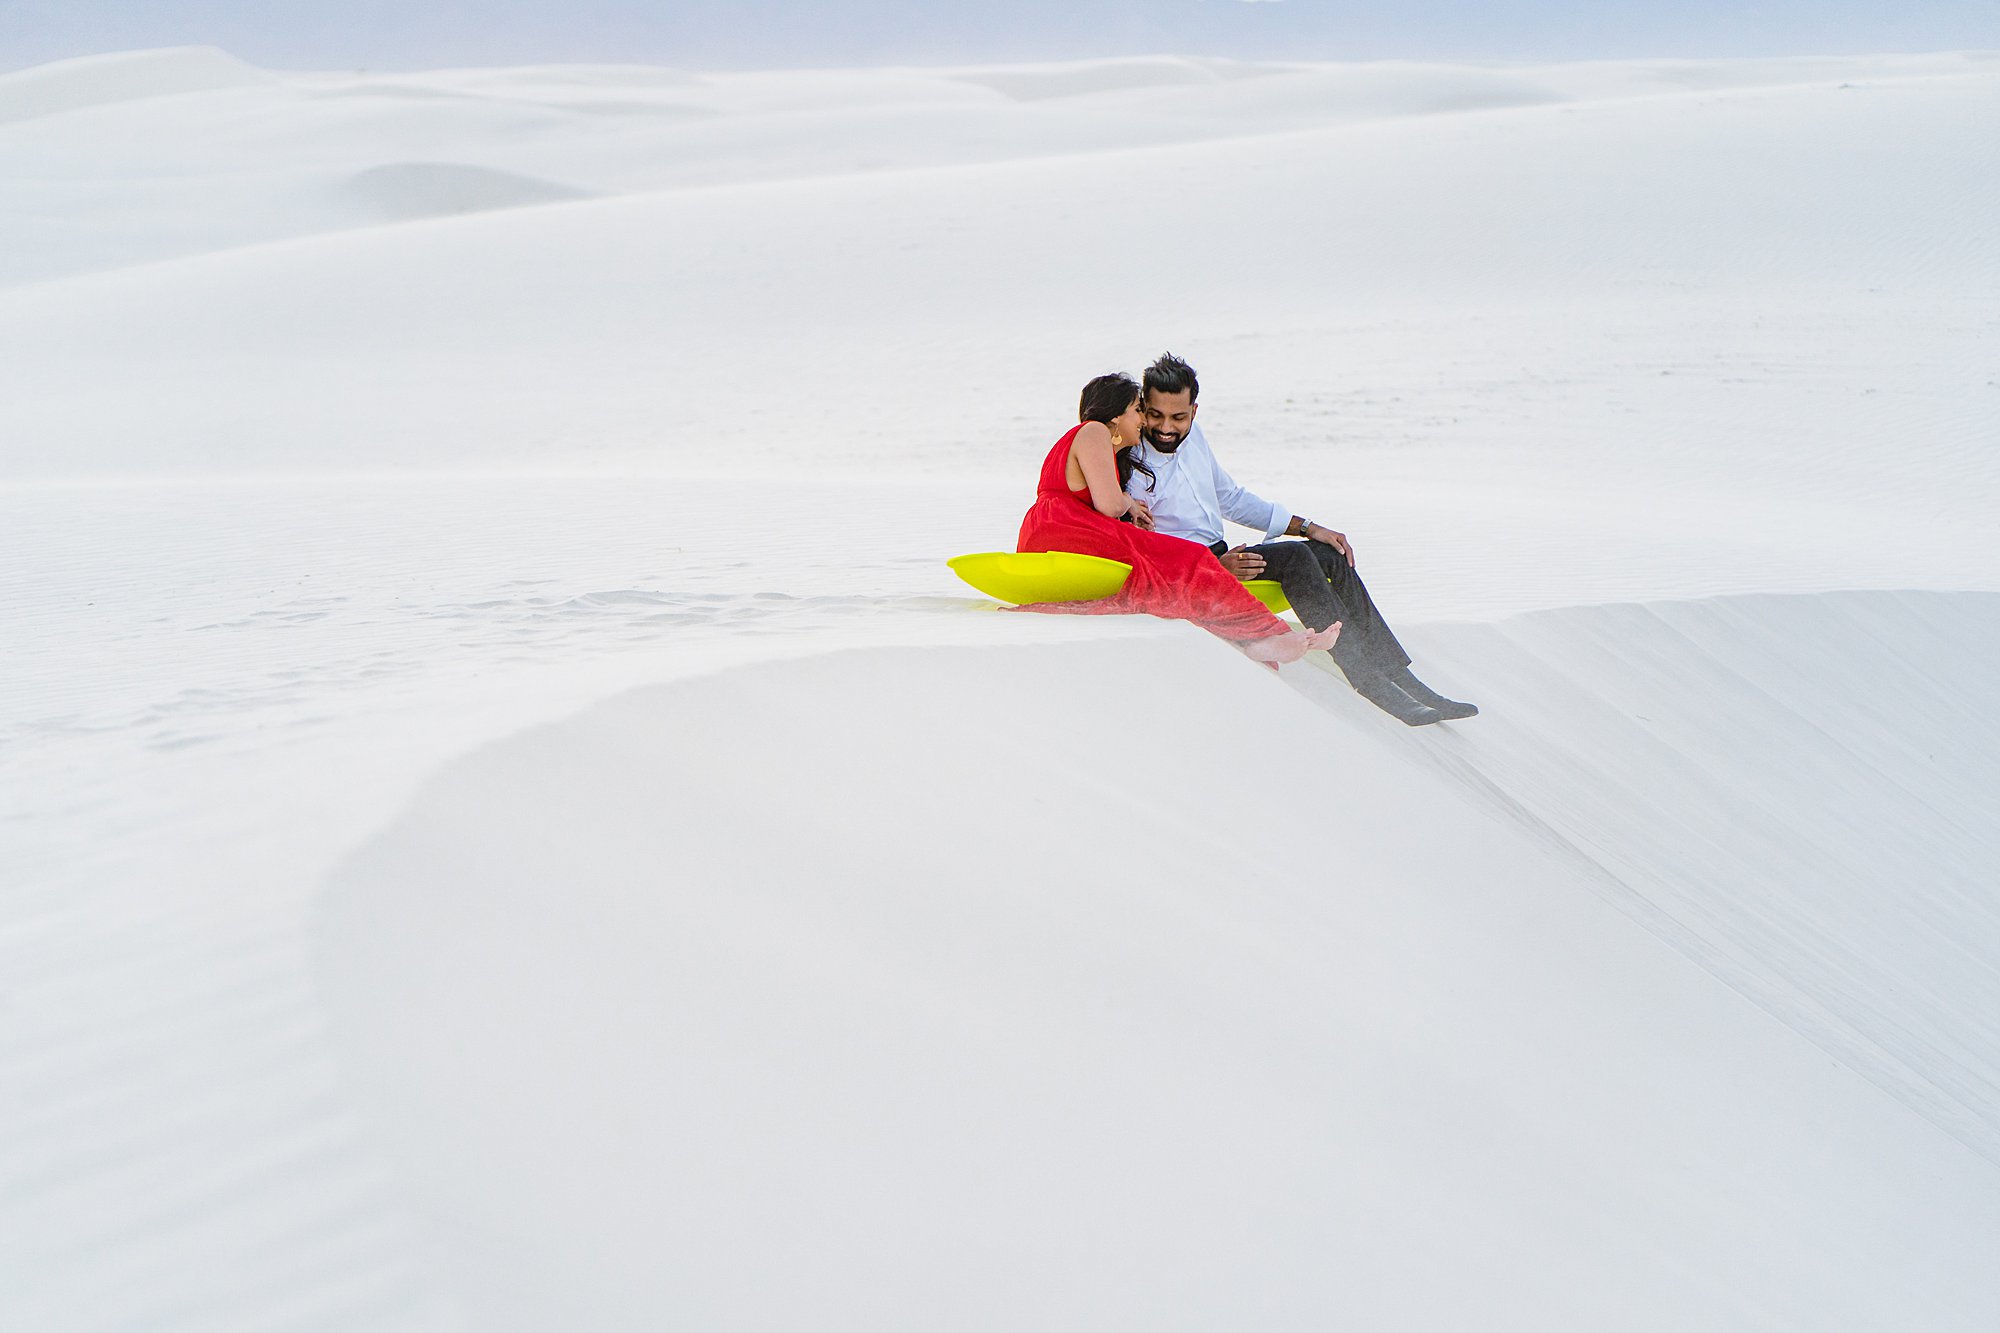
(507, 823)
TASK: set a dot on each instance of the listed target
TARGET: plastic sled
(1022, 577)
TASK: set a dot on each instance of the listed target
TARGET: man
(1190, 495)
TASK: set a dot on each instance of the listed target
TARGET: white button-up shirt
(1190, 494)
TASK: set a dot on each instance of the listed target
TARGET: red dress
(1172, 577)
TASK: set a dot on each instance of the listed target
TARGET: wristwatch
(1305, 525)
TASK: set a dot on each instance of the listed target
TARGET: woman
(1079, 505)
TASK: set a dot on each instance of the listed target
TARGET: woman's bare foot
(1278, 648)
(1290, 647)
(1323, 638)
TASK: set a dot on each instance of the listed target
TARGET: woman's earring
(1116, 439)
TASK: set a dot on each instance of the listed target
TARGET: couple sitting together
(1135, 482)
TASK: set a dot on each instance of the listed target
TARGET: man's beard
(1165, 446)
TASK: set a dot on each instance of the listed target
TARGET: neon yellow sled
(1022, 577)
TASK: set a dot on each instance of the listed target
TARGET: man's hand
(1245, 564)
(1337, 540)
(1140, 513)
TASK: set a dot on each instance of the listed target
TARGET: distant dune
(400, 191)
(95, 81)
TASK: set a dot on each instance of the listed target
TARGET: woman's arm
(1093, 455)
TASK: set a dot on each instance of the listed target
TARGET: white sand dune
(1793, 792)
(228, 163)
(402, 191)
(132, 76)
(1336, 1027)
(506, 821)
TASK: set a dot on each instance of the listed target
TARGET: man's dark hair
(1104, 399)
(1170, 374)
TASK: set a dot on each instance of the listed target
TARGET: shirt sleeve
(1251, 511)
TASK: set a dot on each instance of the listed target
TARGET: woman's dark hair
(1105, 398)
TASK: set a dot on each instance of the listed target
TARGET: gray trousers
(1322, 588)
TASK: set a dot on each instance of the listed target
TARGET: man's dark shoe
(1447, 709)
(1382, 692)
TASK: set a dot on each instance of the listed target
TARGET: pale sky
(738, 34)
